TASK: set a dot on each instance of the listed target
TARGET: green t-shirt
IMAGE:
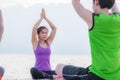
(105, 46)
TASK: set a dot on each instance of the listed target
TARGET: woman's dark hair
(106, 3)
(40, 29)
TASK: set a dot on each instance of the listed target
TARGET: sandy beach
(17, 66)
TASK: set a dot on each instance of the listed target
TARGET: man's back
(105, 46)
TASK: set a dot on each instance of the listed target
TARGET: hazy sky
(20, 16)
(26, 3)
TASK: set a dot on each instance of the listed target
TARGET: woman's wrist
(45, 18)
(41, 18)
(35, 28)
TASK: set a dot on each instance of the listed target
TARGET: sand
(17, 66)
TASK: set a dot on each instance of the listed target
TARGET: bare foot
(57, 77)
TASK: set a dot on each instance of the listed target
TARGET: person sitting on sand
(1, 25)
(42, 49)
(1, 32)
(104, 35)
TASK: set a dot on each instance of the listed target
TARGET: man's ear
(96, 2)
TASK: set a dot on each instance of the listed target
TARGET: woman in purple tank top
(42, 51)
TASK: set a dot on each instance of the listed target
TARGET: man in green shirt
(104, 35)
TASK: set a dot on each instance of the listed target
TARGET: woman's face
(43, 35)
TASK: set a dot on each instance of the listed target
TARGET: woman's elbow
(74, 2)
(1, 28)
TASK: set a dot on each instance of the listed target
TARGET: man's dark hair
(106, 3)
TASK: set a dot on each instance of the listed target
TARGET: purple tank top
(42, 56)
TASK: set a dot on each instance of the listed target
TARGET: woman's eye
(42, 32)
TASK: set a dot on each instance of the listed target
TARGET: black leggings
(37, 74)
(71, 72)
